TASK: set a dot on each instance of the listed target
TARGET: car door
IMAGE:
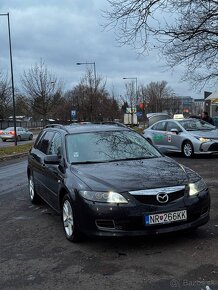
(36, 159)
(54, 173)
(174, 139)
(158, 134)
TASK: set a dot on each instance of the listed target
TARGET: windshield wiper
(134, 158)
(88, 162)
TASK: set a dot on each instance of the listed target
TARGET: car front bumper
(207, 148)
(126, 220)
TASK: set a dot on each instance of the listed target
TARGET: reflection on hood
(134, 175)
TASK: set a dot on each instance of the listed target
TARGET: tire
(18, 138)
(71, 230)
(31, 137)
(187, 149)
(34, 198)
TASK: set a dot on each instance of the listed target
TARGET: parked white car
(22, 134)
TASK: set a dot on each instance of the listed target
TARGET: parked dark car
(108, 180)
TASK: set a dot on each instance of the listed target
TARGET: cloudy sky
(62, 33)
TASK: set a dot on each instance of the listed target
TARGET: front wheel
(34, 198)
(71, 230)
(187, 149)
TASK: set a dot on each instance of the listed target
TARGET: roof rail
(56, 126)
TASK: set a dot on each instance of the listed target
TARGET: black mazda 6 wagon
(108, 180)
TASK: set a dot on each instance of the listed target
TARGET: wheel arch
(184, 141)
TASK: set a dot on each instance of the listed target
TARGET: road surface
(34, 253)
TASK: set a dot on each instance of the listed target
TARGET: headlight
(195, 188)
(201, 139)
(108, 197)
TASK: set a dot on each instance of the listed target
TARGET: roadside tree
(5, 97)
(43, 90)
(156, 96)
(91, 100)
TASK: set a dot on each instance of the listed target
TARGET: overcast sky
(62, 33)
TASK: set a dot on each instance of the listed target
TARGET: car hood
(211, 134)
(133, 175)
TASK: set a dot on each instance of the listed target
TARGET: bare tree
(91, 100)
(155, 96)
(185, 30)
(42, 89)
(5, 97)
(22, 106)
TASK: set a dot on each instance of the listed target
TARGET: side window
(56, 145)
(160, 126)
(44, 142)
(172, 125)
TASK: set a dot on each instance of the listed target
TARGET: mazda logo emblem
(162, 197)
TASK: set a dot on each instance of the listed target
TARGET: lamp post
(94, 66)
(12, 77)
(136, 91)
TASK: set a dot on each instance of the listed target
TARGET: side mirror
(175, 131)
(52, 159)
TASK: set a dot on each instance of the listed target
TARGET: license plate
(165, 218)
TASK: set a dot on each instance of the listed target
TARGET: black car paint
(52, 181)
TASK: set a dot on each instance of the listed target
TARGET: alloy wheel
(68, 220)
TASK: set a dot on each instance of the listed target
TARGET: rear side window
(161, 126)
(172, 125)
(44, 142)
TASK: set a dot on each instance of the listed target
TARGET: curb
(13, 156)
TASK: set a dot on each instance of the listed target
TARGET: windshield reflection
(108, 146)
(196, 125)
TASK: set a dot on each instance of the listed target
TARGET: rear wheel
(71, 230)
(31, 137)
(187, 149)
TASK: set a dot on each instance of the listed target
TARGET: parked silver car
(22, 134)
(189, 136)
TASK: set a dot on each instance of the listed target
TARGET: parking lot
(34, 253)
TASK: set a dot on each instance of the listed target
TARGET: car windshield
(196, 125)
(9, 129)
(108, 146)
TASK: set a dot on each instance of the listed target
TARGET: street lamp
(12, 77)
(92, 63)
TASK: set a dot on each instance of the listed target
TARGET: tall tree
(5, 97)
(91, 100)
(43, 90)
(185, 30)
(155, 96)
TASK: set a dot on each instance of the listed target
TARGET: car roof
(86, 128)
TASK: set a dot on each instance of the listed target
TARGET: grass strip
(12, 150)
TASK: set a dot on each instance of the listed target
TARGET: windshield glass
(195, 125)
(108, 146)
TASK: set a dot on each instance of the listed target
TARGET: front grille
(213, 147)
(150, 196)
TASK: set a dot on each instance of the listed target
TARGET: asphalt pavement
(34, 253)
